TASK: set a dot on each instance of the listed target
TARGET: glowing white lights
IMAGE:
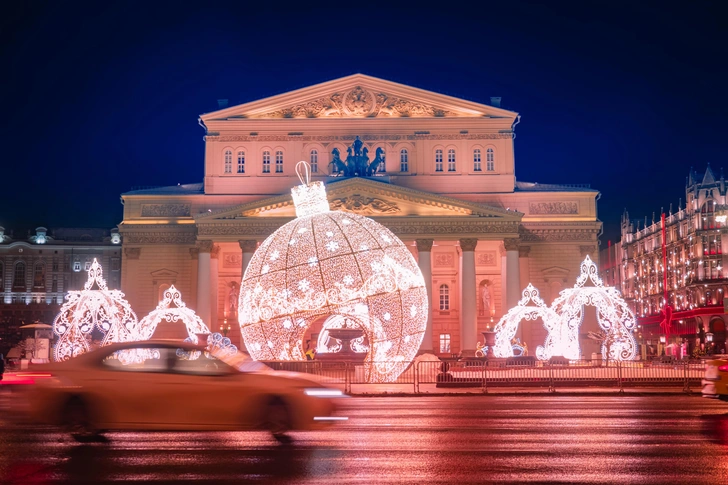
(165, 311)
(102, 309)
(563, 320)
(333, 263)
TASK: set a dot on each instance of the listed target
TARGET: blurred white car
(715, 382)
(172, 385)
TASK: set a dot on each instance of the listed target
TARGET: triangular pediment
(359, 96)
(371, 198)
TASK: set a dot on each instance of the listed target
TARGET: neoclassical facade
(437, 171)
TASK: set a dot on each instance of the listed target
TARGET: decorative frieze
(348, 138)
(363, 205)
(486, 258)
(232, 260)
(590, 250)
(159, 237)
(444, 260)
(558, 235)
(553, 208)
(165, 210)
(132, 253)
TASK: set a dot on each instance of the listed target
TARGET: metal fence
(428, 376)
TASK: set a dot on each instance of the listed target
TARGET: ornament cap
(309, 197)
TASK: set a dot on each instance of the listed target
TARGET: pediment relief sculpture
(360, 103)
(363, 205)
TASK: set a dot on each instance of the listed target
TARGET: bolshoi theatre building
(438, 171)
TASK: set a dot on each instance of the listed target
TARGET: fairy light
(165, 311)
(84, 310)
(326, 263)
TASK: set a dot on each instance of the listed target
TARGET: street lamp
(225, 328)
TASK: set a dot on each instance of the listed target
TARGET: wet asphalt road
(417, 440)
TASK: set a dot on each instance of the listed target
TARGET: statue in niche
(485, 296)
(232, 299)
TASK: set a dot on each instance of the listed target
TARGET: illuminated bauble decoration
(507, 326)
(613, 315)
(170, 309)
(84, 310)
(326, 263)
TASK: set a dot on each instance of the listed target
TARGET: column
(203, 281)
(214, 325)
(424, 261)
(194, 254)
(128, 276)
(524, 278)
(469, 326)
(248, 246)
(513, 283)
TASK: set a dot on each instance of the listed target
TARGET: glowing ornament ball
(328, 263)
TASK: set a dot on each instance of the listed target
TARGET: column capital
(468, 244)
(215, 251)
(132, 253)
(424, 245)
(248, 245)
(204, 246)
(194, 253)
(590, 250)
(511, 244)
(523, 251)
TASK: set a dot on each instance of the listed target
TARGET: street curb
(531, 394)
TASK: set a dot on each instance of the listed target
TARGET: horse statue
(378, 160)
(337, 162)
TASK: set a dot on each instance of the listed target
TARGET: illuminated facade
(436, 171)
(689, 274)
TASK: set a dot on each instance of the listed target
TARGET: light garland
(507, 326)
(84, 310)
(165, 311)
(326, 263)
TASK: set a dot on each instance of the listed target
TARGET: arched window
(19, 277)
(403, 160)
(489, 160)
(266, 161)
(451, 160)
(476, 161)
(438, 160)
(707, 214)
(228, 161)
(313, 161)
(39, 275)
(444, 297)
(279, 161)
(241, 161)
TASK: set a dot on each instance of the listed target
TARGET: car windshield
(244, 363)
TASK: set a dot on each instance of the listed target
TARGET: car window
(143, 359)
(203, 364)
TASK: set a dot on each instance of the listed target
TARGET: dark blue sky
(102, 96)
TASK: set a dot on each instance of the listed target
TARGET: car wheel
(278, 420)
(77, 423)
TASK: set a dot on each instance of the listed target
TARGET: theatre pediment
(359, 96)
(370, 198)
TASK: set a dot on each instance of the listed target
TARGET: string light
(165, 311)
(89, 309)
(326, 263)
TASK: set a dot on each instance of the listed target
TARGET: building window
(87, 266)
(241, 162)
(313, 161)
(228, 161)
(489, 160)
(39, 276)
(266, 161)
(438, 160)
(279, 161)
(77, 266)
(19, 277)
(707, 214)
(444, 297)
(403, 161)
(451, 160)
(444, 343)
(54, 283)
(55, 265)
(115, 264)
(476, 161)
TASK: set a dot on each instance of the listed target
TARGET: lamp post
(663, 339)
(225, 328)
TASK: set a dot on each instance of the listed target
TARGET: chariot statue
(357, 162)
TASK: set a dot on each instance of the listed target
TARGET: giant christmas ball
(326, 264)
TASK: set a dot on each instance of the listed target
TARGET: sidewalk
(383, 390)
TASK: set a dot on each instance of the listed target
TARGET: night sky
(98, 97)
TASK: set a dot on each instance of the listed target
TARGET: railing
(429, 376)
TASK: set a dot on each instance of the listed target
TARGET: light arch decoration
(326, 263)
(507, 326)
(613, 316)
(84, 310)
(170, 309)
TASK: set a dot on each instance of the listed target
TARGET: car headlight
(323, 392)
